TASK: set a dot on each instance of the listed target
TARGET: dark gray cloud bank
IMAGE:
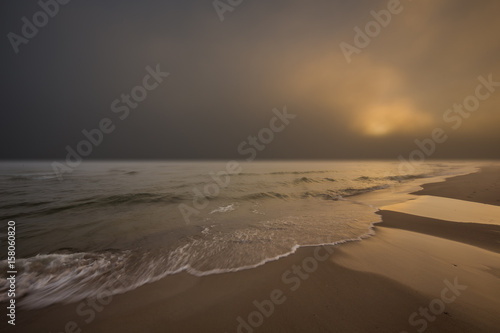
(226, 78)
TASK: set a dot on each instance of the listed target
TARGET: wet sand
(416, 273)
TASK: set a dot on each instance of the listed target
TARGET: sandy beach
(417, 274)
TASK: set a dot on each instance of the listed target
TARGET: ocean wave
(335, 195)
(25, 204)
(305, 180)
(49, 279)
(284, 173)
(329, 195)
(94, 202)
(32, 176)
(398, 178)
(69, 276)
(224, 209)
(349, 192)
(366, 178)
(138, 198)
(308, 180)
(124, 172)
(265, 195)
(64, 278)
(298, 172)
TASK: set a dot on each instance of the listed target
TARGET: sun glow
(388, 118)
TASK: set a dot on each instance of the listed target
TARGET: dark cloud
(226, 77)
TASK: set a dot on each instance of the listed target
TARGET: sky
(397, 83)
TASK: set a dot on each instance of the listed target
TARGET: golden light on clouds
(390, 118)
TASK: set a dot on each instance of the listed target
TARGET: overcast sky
(227, 76)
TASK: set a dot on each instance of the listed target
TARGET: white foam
(224, 209)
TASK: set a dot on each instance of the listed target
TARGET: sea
(139, 221)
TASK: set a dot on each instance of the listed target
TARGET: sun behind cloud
(392, 117)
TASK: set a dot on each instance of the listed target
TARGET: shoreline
(362, 286)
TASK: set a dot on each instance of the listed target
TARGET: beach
(415, 274)
(250, 166)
